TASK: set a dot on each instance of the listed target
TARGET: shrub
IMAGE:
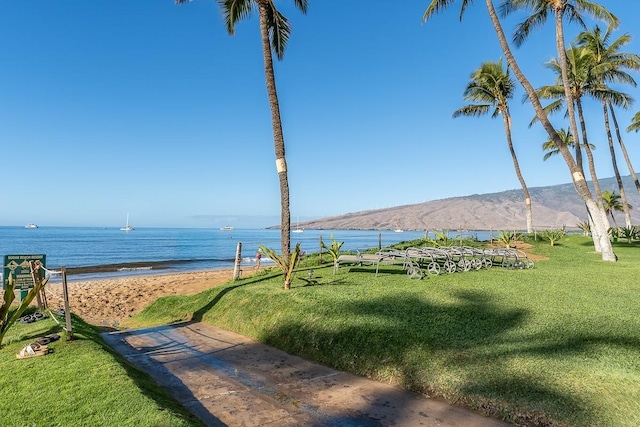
(509, 237)
(629, 233)
(553, 235)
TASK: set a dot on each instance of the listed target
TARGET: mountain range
(553, 207)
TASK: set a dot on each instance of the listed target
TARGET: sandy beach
(109, 301)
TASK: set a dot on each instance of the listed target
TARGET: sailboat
(297, 229)
(127, 227)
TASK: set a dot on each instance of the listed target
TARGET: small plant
(584, 227)
(629, 233)
(509, 237)
(553, 235)
(614, 232)
(333, 250)
(441, 237)
(287, 265)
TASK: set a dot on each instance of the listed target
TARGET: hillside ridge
(553, 207)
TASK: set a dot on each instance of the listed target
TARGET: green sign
(18, 267)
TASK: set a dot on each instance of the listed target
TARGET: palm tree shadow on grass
(411, 337)
(199, 313)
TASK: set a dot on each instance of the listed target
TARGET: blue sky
(109, 107)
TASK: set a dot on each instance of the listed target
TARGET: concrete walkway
(226, 379)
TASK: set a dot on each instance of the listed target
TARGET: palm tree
(274, 32)
(600, 221)
(581, 81)
(612, 203)
(609, 65)
(491, 87)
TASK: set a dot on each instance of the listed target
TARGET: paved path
(226, 379)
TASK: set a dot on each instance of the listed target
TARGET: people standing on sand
(258, 256)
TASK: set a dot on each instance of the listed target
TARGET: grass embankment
(81, 383)
(557, 344)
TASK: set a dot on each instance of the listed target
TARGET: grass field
(555, 345)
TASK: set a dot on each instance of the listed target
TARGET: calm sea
(90, 253)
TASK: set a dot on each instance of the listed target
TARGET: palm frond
(233, 11)
(279, 30)
(437, 6)
(635, 123)
(473, 110)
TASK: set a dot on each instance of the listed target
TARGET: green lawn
(81, 383)
(559, 343)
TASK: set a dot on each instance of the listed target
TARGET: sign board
(18, 267)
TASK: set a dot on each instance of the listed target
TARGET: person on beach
(258, 256)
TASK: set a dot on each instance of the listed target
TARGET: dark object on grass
(47, 339)
(30, 318)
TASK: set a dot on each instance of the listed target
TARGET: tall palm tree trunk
(600, 221)
(599, 230)
(616, 171)
(589, 153)
(527, 198)
(278, 139)
(624, 148)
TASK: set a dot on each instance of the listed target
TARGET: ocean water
(91, 253)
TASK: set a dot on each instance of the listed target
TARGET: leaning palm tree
(491, 87)
(612, 204)
(600, 220)
(610, 65)
(274, 32)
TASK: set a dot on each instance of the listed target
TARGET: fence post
(67, 310)
(236, 268)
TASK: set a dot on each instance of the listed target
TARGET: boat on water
(127, 227)
(31, 225)
(298, 229)
(399, 230)
(226, 228)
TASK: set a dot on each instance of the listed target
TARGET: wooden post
(67, 310)
(379, 241)
(320, 251)
(237, 272)
(36, 276)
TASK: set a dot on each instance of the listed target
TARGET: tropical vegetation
(540, 10)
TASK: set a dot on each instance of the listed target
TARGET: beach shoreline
(107, 302)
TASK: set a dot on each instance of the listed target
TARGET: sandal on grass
(32, 350)
(47, 339)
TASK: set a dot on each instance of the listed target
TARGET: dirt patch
(524, 247)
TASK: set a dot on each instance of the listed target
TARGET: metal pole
(67, 310)
(236, 269)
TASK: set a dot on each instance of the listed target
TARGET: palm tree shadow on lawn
(411, 337)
